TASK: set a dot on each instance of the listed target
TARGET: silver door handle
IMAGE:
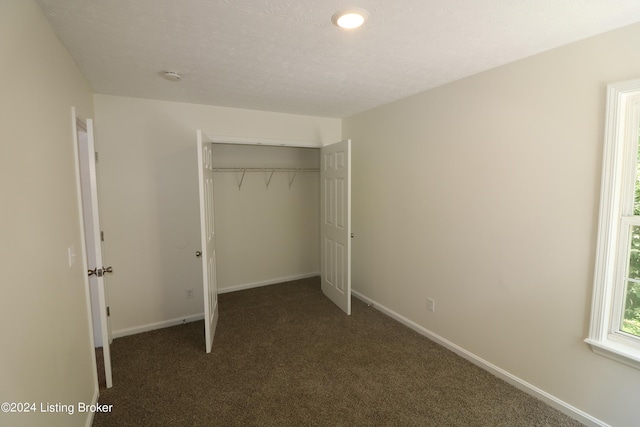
(198, 254)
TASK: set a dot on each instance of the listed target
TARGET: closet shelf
(292, 173)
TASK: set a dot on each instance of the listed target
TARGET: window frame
(616, 219)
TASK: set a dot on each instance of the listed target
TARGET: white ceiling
(287, 56)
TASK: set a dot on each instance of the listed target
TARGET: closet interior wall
(265, 233)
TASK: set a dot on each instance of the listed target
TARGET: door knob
(100, 271)
(198, 254)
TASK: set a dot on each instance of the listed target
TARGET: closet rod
(292, 173)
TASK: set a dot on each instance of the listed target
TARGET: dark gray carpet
(284, 355)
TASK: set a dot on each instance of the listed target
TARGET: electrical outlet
(431, 305)
(188, 294)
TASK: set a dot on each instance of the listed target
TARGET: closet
(272, 213)
(267, 214)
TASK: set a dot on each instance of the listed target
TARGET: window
(615, 317)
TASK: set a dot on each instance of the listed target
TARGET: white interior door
(92, 239)
(335, 229)
(208, 241)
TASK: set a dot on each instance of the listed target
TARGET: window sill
(620, 352)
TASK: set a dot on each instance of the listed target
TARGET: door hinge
(108, 312)
(102, 236)
(97, 159)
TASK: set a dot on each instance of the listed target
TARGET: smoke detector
(172, 76)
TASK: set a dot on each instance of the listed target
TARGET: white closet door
(208, 241)
(335, 230)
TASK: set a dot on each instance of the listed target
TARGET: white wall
(46, 354)
(148, 189)
(266, 234)
(483, 195)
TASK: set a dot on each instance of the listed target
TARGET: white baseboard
(90, 414)
(266, 282)
(520, 384)
(157, 325)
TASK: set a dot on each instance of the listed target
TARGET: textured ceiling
(287, 56)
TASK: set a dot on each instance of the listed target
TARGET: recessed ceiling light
(350, 18)
(172, 75)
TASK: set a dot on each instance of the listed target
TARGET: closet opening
(281, 213)
(267, 214)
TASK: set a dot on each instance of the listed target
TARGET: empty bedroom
(320, 213)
